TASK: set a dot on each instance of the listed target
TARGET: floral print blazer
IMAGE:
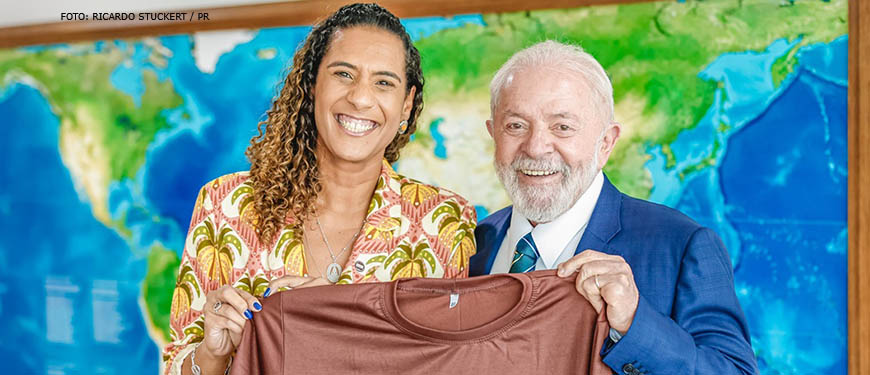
(411, 230)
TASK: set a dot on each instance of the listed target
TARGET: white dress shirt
(556, 240)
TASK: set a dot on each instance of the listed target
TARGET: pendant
(333, 271)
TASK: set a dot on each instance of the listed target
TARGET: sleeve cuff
(644, 345)
(615, 335)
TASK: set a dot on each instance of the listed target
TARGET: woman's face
(360, 97)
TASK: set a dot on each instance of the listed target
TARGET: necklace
(305, 249)
(333, 270)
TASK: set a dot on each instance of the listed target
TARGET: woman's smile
(355, 126)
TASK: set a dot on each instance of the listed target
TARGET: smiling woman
(362, 96)
(321, 203)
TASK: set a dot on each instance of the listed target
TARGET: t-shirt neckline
(480, 333)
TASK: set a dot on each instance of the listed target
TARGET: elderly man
(666, 282)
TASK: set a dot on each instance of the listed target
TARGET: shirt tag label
(454, 299)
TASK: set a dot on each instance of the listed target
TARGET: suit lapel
(605, 221)
(490, 233)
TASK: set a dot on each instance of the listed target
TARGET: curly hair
(284, 172)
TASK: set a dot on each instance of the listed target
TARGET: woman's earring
(403, 126)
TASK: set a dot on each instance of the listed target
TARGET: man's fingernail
(266, 293)
(257, 306)
(249, 314)
(560, 273)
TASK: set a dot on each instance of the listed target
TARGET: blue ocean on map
(774, 164)
(60, 302)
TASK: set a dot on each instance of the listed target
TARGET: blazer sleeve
(706, 332)
(185, 321)
(210, 250)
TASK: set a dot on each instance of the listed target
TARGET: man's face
(550, 140)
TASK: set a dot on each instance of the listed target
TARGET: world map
(733, 112)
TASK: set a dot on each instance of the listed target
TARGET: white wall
(23, 12)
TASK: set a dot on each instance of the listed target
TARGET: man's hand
(614, 289)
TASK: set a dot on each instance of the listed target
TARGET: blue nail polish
(257, 306)
(266, 294)
(249, 314)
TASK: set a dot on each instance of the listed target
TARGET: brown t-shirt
(532, 323)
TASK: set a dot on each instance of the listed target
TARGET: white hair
(555, 54)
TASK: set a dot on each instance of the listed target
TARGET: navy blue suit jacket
(688, 319)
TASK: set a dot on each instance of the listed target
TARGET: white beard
(544, 203)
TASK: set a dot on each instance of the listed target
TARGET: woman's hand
(226, 310)
(293, 282)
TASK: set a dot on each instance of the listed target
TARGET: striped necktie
(525, 256)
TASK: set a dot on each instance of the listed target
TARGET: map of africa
(733, 112)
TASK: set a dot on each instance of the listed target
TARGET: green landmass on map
(107, 135)
(652, 51)
(157, 288)
(78, 87)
